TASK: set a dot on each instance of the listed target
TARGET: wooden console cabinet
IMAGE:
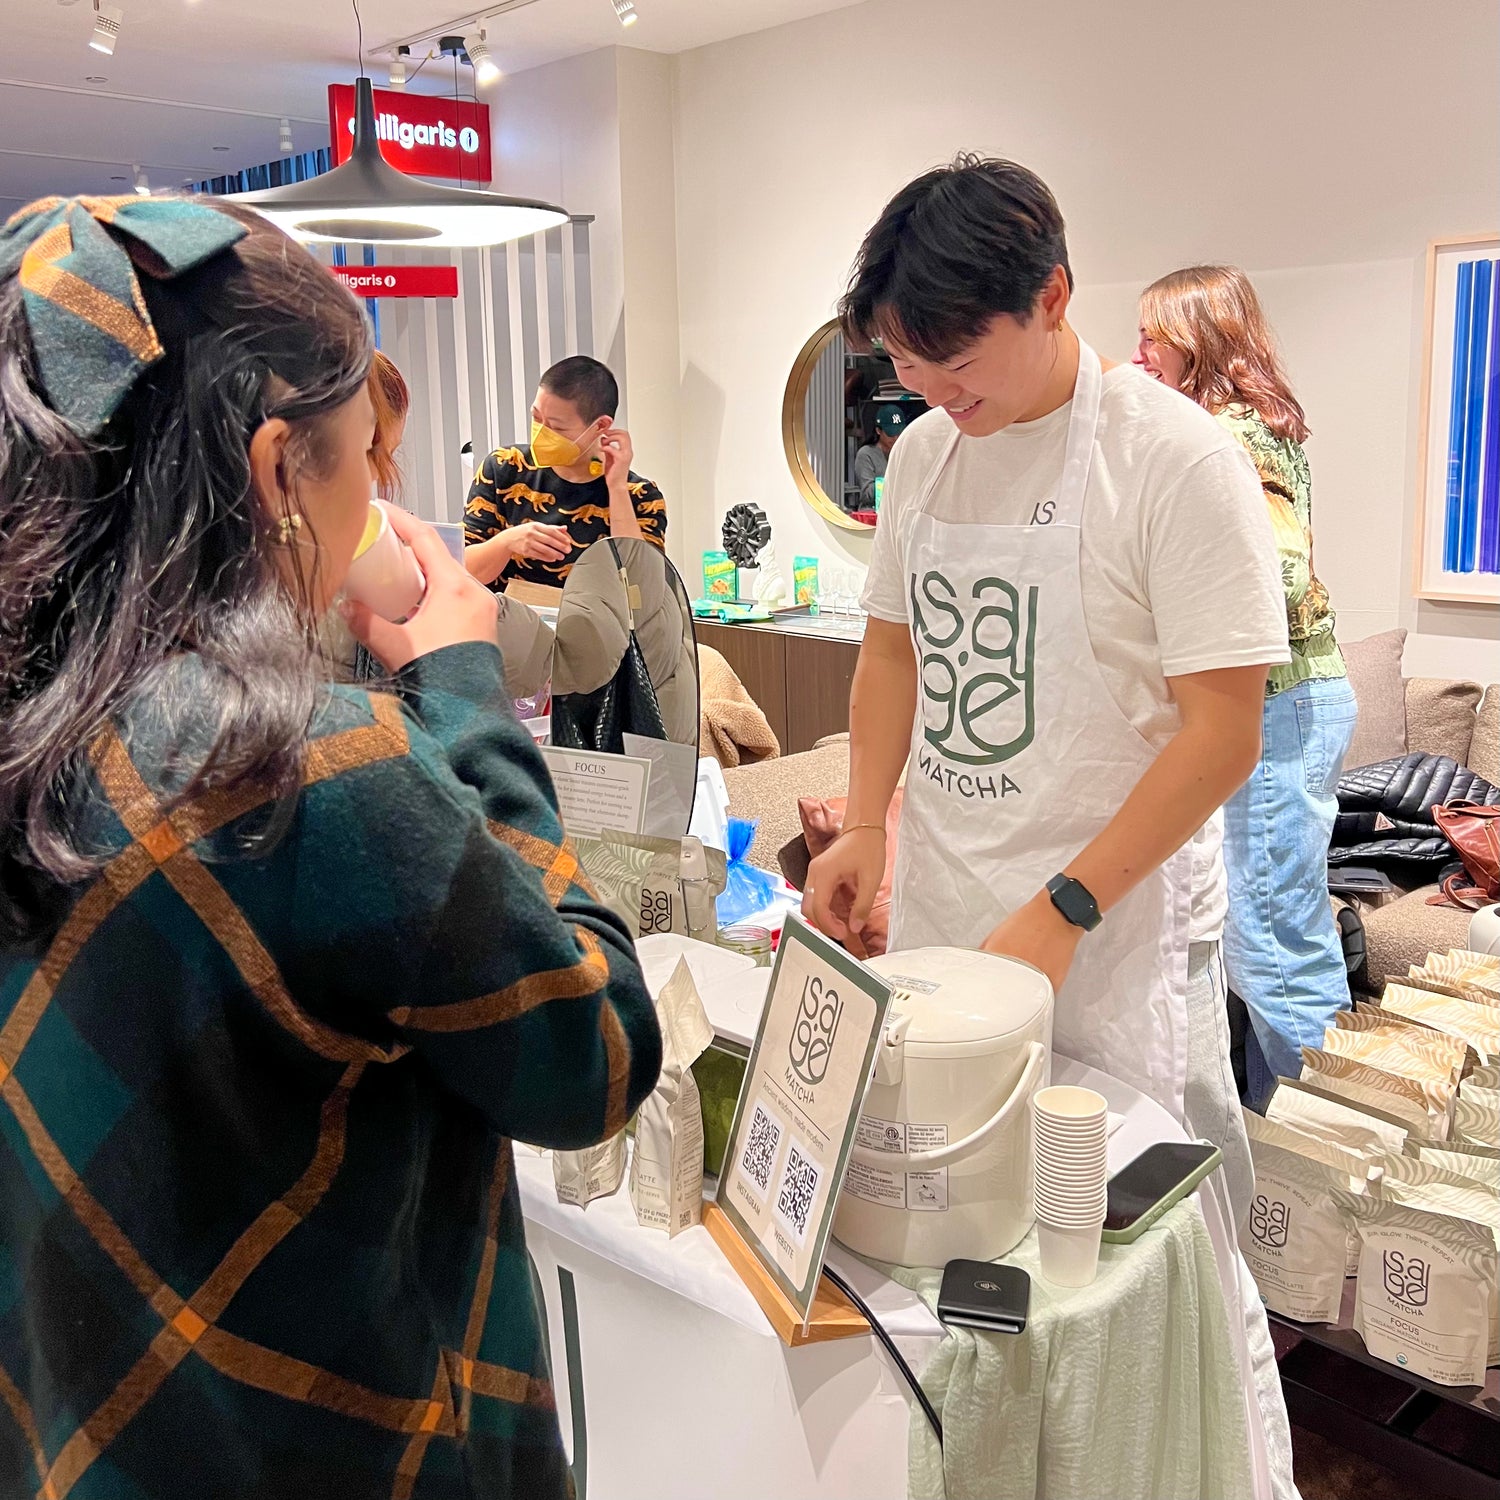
(800, 676)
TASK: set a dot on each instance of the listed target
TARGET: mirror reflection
(625, 659)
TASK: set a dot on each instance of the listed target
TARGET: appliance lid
(955, 995)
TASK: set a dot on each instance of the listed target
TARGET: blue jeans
(1281, 945)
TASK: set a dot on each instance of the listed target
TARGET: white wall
(1320, 145)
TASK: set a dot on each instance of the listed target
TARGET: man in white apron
(1073, 603)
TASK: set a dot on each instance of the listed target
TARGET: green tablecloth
(1126, 1389)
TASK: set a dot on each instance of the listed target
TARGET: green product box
(805, 582)
(720, 576)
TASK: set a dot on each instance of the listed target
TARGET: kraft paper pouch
(594, 1172)
(1425, 1296)
(1366, 1017)
(618, 873)
(1342, 1122)
(1478, 1025)
(1403, 1053)
(666, 1169)
(1476, 1120)
(1423, 1184)
(1296, 1238)
(1479, 1166)
(1468, 976)
(1485, 1077)
(1429, 1105)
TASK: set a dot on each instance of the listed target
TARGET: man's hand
(1039, 934)
(488, 559)
(841, 885)
(618, 453)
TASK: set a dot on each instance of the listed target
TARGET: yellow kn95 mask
(551, 450)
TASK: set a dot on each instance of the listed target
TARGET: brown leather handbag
(1474, 831)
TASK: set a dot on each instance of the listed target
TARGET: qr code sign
(760, 1150)
(799, 1186)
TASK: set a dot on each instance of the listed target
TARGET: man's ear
(268, 444)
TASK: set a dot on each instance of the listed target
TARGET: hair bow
(77, 260)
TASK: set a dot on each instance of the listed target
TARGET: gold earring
(288, 529)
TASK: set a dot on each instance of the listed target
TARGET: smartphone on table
(1144, 1189)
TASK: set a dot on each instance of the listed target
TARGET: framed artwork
(1458, 464)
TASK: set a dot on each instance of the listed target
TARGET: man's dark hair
(952, 250)
(585, 382)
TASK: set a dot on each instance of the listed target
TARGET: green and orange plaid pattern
(259, 1235)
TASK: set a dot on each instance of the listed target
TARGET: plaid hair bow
(77, 260)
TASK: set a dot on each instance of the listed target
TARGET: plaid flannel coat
(259, 1235)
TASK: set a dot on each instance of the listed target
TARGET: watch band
(1074, 900)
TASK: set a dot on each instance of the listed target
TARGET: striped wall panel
(473, 364)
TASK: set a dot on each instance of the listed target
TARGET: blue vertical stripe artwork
(1489, 484)
(1463, 303)
(1479, 326)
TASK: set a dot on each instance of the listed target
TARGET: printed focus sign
(799, 1106)
(596, 792)
(428, 137)
(399, 281)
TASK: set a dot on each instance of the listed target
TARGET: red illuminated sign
(447, 138)
(399, 281)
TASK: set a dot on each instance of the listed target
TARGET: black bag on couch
(1385, 815)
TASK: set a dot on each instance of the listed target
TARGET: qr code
(799, 1186)
(760, 1149)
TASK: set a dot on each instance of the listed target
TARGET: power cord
(878, 1329)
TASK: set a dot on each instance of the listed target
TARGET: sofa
(1396, 714)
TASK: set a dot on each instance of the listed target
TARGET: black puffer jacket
(1385, 813)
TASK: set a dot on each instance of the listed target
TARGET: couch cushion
(1440, 716)
(769, 791)
(1403, 932)
(1375, 675)
(1484, 752)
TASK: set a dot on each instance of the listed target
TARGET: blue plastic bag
(747, 890)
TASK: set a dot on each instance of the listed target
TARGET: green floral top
(1287, 482)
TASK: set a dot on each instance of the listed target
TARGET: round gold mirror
(840, 418)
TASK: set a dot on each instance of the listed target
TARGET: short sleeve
(650, 511)
(1212, 573)
(885, 584)
(483, 516)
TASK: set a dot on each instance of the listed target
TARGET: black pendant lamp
(367, 201)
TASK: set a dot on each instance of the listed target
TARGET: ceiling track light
(107, 19)
(398, 68)
(486, 69)
(625, 12)
(367, 201)
(285, 137)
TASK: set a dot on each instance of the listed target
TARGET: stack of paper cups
(1072, 1139)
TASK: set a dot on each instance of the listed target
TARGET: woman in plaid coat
(283, 966)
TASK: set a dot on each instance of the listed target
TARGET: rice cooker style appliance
(941, 1168)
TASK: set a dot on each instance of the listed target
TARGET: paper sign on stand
(596, 792)
(797, 1114)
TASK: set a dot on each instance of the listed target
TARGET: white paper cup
(384, 574)
(1079, 1211)
(1070, 1256)
(1070, 1105)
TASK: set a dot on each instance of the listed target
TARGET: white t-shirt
(1179, 564)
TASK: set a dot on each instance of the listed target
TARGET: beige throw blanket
(731, 727)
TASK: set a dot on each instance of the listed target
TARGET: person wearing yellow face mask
(534, 508)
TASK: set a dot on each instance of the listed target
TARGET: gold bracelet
(850, 827)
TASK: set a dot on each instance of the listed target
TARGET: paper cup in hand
(384, 575)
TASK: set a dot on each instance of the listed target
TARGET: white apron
(1020, 756)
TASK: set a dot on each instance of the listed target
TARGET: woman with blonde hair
(1202, 331)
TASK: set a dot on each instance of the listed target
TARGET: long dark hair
(139, 564)
(1212, 317)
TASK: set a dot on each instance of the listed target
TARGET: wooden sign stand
(834, 1316)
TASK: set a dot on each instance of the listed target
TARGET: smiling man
(535, 507)
(1073, 604)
